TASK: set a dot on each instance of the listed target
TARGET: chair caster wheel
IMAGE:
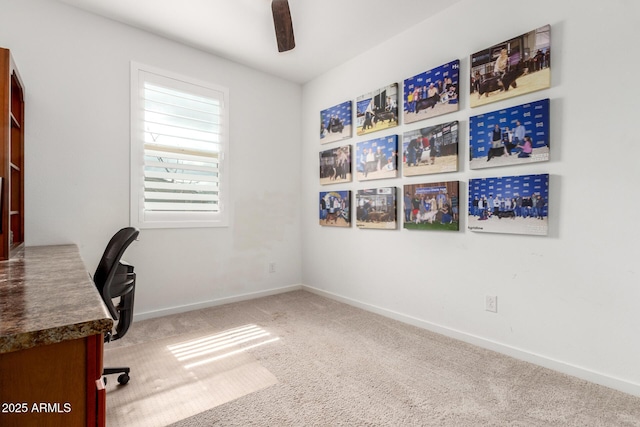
(123, 379)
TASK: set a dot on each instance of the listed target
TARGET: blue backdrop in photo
(342, 111)
(389, 146)
(452, 70)
(329, 197)
(510, 187)
(534, 116)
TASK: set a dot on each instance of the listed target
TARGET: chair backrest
(108, 266)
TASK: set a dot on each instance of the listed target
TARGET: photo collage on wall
(509, 204)
(432, 206)
(510, 136)
(432, 93)
(335, 123)
(335, 208)
(511, 68)
(513, 135)
(377, 110)
(430, 150)
(377, 158)
(335, 165)
(376, 208)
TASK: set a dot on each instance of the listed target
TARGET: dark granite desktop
(46, 297)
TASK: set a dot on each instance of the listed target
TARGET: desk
(52, 321)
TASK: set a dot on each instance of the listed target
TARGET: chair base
(123, 378)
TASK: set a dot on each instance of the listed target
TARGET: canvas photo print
(511, 136)
(335, 165)
(509, 204)
(377, 158)
(511, 68)
(335, 123)
(335, 208)
(432, 206)
(377, 110)
(429, 150)
(376, 208)
(432, 93)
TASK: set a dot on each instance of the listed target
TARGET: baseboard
(213, 303)
(537, 359)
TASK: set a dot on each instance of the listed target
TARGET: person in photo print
(410, 103)
(412, 153)
(496, 142)
(501, 65)
(380, 159)
(496, 137)
(519, 133)
(525, 148)
(540, 202)
(416, 98)
(362, 163)
(371, 161)
(507, 141)
(454, 206)
(323, 208)
(407, 207)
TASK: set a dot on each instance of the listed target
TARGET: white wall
(569, 300)
(75, 67)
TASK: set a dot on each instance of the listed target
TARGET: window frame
(141, 218)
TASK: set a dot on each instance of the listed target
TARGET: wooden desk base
(53, 385)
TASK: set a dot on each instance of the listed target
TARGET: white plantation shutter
(177, 181)
(179, 142)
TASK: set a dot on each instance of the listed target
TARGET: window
(179, 141)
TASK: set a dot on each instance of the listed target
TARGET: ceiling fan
(283, 25)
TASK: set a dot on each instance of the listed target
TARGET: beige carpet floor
(324, 363)
(193, 372)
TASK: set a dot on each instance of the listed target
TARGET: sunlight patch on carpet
(229, 341)
(178, 377)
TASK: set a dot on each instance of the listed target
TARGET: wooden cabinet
(54, 385)
(11, 156)
(52, 326)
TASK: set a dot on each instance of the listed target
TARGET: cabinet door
(45, 385)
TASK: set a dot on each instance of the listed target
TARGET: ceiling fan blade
(283, 25)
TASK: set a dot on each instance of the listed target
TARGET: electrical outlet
(491, 303)
(272, 267)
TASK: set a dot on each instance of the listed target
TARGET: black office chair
(115, 278)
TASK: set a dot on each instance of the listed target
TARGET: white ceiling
(327, 32)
